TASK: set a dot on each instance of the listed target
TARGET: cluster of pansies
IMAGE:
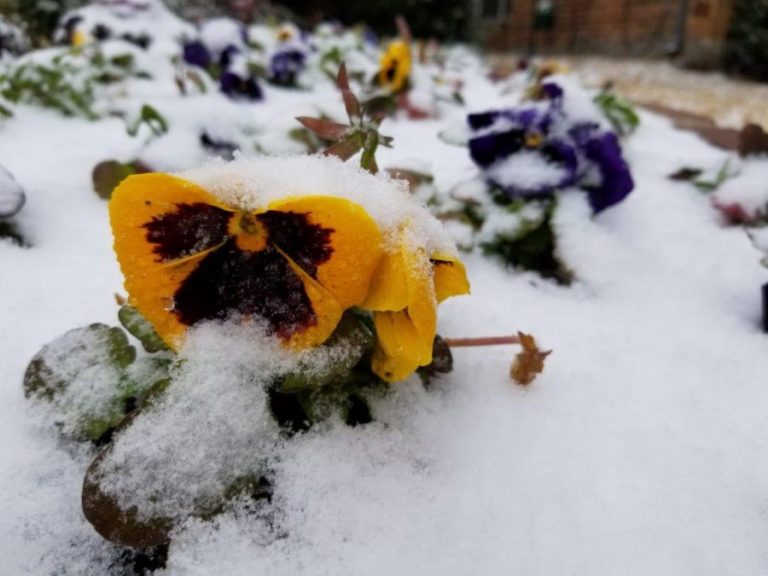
(527, 155)
(146, 24)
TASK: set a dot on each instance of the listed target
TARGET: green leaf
(141, 329)
(82, 377)
(531, 247)
(149, 116)
(108, 174)
(713, 184)
(351, 340)
(620, 112)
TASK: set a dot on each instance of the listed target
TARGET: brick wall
(617, 27)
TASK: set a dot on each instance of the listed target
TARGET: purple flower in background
(285, 67)
(536, 150)
(196, 54)
(232, 81)
(238, 86)
(613, 181)
(517, 152)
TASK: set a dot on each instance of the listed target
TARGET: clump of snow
(212, 426)
(528, 170)
(252, 183)
(220, 33)
(12, 196)
(748, 189)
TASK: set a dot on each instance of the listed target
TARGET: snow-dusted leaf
(349, 342)
(138, 326)
(82, 377)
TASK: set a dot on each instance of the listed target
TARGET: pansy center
(250, 234)
(391, 71)
(533, 139)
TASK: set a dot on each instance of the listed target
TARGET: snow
(641, 449)
(748, 188)
(528, 170)
(253, 183)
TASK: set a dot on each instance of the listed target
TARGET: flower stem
(486, 341)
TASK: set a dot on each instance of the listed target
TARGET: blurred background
(727, 35)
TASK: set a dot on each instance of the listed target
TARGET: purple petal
(285, 66)
(617, 181)
(196, 54)
(489, 148)
(236, 86)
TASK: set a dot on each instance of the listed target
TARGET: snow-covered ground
(642, 448)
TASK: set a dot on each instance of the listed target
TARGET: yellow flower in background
(395, 66)
(79, 38)
(406, 289)
(297, 263)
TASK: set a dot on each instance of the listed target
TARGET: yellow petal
(354, 242)
(389, 287)
(152, 278)
(405, 337)
(450, 277)
(395, 66)
(398, 343)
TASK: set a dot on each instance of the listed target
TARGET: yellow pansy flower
(395, 66)
(296, 263)
(407, 286)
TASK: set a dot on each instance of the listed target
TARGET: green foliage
(108, 174)
(57, 85)
(151, 118)
(710, 185)
(40, 17)
(353, 337)
(532, 245)
(67, 83)
(747, 42)
(140, 329)
(620, 112)
(91, 378)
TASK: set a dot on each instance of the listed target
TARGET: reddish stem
(487, 341)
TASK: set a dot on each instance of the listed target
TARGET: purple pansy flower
(196, 54)
(536, 150)
(285, 66)
(236, 85)
(232, 81)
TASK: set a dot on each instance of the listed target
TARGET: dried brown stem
(486, 341)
